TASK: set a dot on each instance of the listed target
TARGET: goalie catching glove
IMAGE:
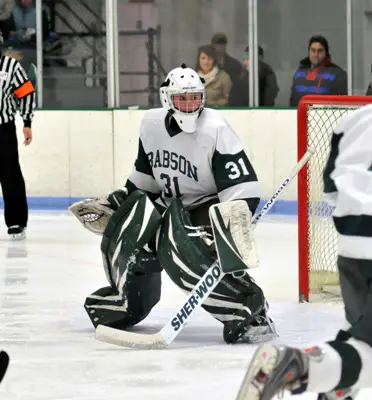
(95, 213)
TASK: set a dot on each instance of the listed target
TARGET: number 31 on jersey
(236, 169)
(171, 187)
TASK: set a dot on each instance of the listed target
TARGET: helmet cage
(187, 106)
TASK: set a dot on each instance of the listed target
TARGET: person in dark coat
(369, 89)
(317, 74)
(268, 86)
(224, 61)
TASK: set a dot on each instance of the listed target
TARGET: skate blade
(345, 394)
(264, 361)
(256, 339)
(18, 236)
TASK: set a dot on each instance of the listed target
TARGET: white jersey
(195, 167)
(348, 183)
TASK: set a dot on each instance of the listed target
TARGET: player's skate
(273, 370)
(253, 329)
(17, 232)
(345, 394)
(260, 330)
(4, 362)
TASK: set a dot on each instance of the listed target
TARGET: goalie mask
(183, 94)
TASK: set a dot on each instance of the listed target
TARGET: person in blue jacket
(317, 74)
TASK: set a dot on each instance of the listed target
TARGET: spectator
(268, 87)
(6, 9)
(21, 37)
(19, 55)
(317, 74)
(223, 60)
(24, 23)
(217, 82)
(369, 89)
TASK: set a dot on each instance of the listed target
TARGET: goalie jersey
(195, 167)
(348, 183)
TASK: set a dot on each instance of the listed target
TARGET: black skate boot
(261, 330)
(4, 362)
(17, 232)
(273, 370)
(254, 329)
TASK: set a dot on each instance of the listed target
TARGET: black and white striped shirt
(348, 183)
(16, 92)
(196, 167)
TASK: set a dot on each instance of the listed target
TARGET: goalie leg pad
(132, 271)
(122, 308)
(236, 302)
(131, 227)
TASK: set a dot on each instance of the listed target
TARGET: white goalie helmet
(183, 94)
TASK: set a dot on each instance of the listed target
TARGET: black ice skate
(345, 394)
(4, 362)
(273, 370)
(262, 329)
(17, 232)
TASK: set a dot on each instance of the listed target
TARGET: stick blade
(130, 339)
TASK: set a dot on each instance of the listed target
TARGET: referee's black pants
(11, 178)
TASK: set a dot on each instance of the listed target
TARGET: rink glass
(72, 66)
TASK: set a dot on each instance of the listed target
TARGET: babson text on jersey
(169, 159)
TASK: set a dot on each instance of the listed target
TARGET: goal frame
(303, 201)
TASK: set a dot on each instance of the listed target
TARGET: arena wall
(76, 154)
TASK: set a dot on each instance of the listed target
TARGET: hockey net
(317, 238)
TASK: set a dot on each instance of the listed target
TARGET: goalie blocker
(133, 264)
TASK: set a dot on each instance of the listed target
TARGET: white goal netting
(320, 231)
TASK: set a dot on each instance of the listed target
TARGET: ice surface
(54, 356)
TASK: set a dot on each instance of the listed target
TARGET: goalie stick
(195, 299)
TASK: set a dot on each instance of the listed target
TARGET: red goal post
(317, 116)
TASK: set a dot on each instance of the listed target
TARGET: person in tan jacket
(6, 9)
(217, 82)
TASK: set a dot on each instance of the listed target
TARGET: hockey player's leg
(128, 304)
(132, 270)
(236, 302)
(336, 369)
(355, 344)
(356, 287)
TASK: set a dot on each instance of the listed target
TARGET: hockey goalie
(188, 160)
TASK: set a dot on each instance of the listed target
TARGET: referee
(16, 93)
